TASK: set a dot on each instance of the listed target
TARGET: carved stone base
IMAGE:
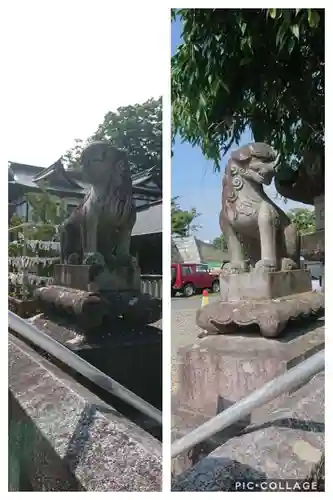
(260, 284)
(95, 278)
(133, 307)
(271, 315)
(87, 308)
(266, 299)
(92, 309)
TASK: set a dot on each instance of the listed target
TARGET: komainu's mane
(229, 193)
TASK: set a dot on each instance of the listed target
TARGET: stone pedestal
(287, 444)
(268, 300)
(90, 310)
(92, 295)
(87, 309)
(219, 370)
(133, 358)
(259, 285)
(93, 278)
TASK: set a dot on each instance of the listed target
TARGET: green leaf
(249, 42)
(225, 86)
(295, 30)
(202, 100)
(280, 35)
(279, 98)
(291, 45)
(313, 18)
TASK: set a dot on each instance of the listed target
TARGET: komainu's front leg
(89, 236)
(237, 264)
(123, 249)
(267, 221)
(124, 259)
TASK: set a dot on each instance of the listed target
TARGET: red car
(190, 278)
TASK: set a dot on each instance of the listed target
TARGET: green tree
(182, 220)
(16, 220)
(47, 213)
(304, 219)
(257, 69)
(137, 129)
(221, 243)
(72, 157)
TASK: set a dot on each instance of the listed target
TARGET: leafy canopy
(257, 69)
(136, 128)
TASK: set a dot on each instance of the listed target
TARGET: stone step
(287, 444)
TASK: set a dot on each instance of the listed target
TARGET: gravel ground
(184, 331)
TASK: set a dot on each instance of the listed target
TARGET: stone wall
(63, 438)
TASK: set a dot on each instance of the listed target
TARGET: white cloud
(69, 63)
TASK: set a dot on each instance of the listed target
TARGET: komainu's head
(101, 163)
(255, 161)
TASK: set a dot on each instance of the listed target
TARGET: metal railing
(74, 361)
(280, 385)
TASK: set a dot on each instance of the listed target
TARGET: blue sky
(194, 180)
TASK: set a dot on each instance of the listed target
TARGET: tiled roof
(65, 180)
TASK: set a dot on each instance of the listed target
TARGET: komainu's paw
(266, 265)
(90, 259)
(237, 267)
(288, 264)
(74, 259)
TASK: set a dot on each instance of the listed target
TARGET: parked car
(190, 278)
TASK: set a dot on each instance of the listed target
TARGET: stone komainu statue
(103, 223)
(249, 219)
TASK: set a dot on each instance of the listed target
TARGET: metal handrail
(59, 351)
(284, 383)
